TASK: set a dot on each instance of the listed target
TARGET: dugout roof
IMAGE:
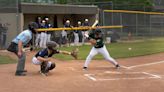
(58, 9)
(11, 6)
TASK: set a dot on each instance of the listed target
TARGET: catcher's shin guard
(44, 67)
(53, 65)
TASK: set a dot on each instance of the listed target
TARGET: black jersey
(44, 53)
(99, 39)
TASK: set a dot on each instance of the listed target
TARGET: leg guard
(53, 65)
(44, 67)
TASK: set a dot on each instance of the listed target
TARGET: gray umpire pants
(13, 47)
(21, 62)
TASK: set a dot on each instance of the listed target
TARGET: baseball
(129, 48)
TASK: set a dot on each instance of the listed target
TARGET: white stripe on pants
(94, 51)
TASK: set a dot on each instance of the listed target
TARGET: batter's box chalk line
(143, 65)
(147, 76)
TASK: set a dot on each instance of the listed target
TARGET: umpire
(17, 44)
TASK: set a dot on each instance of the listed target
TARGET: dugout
(15, 16)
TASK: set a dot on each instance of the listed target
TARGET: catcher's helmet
(51, 44)
(32, 26)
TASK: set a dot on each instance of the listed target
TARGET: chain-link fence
(136, 24)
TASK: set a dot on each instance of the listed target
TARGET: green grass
(6, 60)
(116, 50)
(120, 50)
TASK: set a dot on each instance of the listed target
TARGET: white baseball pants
(37, 62)
(94, 51)
(43, 39)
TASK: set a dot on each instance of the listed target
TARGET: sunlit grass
(121, 49)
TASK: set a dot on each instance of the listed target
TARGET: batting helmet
(97, 31)
(51, 44)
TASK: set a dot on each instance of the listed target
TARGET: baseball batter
(96, 39)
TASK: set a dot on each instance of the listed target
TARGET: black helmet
(51, 44)
(97, 31)
(32, 26)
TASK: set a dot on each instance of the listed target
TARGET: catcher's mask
(51, 45)
(33, 26)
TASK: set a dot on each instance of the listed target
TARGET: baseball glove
(74, 53)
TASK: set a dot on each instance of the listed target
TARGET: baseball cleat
(20, 74)
(117, 66)
(84, 68)
(43, 74)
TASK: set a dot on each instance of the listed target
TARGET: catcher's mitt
(74, 53)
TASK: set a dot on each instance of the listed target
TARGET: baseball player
(37, 40)
(96, 39)
(76, 35)
(49, 33)
(17, 44)
(69, 33)
(43, 36)
(43, 59)
(85, 24)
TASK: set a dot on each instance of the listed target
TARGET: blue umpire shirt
(24, 36)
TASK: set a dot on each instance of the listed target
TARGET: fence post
(136, 24)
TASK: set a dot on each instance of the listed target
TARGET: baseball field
(141, 71)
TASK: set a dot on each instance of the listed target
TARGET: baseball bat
(95, 23)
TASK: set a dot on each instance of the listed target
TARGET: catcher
(96, 39)
(42, 57)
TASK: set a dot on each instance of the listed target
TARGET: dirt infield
(137, 74)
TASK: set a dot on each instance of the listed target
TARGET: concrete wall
(10, 22)
(58, 9)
